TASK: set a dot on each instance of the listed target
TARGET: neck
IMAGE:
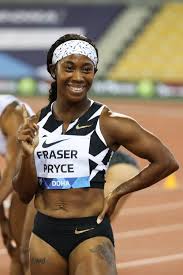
(67, 111)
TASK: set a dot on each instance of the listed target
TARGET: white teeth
(76, 89)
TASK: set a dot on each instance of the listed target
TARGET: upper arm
(9, 125)
(12, 152)
(11, 121)
(10, 168)
(123, 130)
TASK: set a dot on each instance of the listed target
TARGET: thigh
(94, 256)
(44, 259)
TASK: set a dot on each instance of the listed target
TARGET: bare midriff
(72, 203)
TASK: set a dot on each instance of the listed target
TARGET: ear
(52, 70)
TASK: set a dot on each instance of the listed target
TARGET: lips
(77, 89)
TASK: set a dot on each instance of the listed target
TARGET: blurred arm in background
(121, 168)
(26, 234)
(9, 122)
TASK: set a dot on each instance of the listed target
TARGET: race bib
(63, 163)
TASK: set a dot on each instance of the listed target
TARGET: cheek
(91, 78)
(60, 73)
(61, 76)
(89, 82)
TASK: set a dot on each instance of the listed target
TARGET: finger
(100, 217)
(29, 140)
(32, 127)
(102, 214)
(26, 138)
(35, 128)
(27, 132)
(110, 211)
(35, 118)
(13, 243)
(24, 113)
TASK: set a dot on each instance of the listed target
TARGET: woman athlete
(66, 149)
(121, 168)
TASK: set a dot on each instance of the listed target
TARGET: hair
(61, 40)
(121, 157)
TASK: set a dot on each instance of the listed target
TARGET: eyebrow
(72, 63)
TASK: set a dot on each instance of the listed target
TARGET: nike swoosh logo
(82, 231)
(46, 145)
(81, 127)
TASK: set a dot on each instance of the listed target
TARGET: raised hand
(27, 134)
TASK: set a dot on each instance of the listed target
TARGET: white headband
(75, 47)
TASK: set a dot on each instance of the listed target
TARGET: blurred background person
(12, 222)
(122, 167)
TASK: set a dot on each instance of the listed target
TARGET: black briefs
(66, 234)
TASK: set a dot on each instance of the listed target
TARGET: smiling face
(74, 74)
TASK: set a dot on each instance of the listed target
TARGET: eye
(69, 68)
(87, 69)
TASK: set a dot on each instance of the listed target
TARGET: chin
(77, 96)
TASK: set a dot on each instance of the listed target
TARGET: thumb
(35, 118)
(102, 214)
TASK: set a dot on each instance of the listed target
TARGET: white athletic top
(76, 159)
(5, 100)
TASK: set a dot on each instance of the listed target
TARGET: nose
(77, 75)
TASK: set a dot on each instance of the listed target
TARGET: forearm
(5, 190)
(147, 177)
(2, 214)
(28, 224)
(25, 181)
(6, 186)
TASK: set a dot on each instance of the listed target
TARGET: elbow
(25, 195)
(25, 198)
(22, 196)
(175, 166)
(172, 166)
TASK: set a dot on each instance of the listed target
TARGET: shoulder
(119, 129)
(44, 111)
(109, 115)
(11, 118)
(114, 125)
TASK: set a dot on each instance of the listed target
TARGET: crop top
(76, 159)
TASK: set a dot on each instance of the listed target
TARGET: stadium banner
(101, 88)
(27, 31)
